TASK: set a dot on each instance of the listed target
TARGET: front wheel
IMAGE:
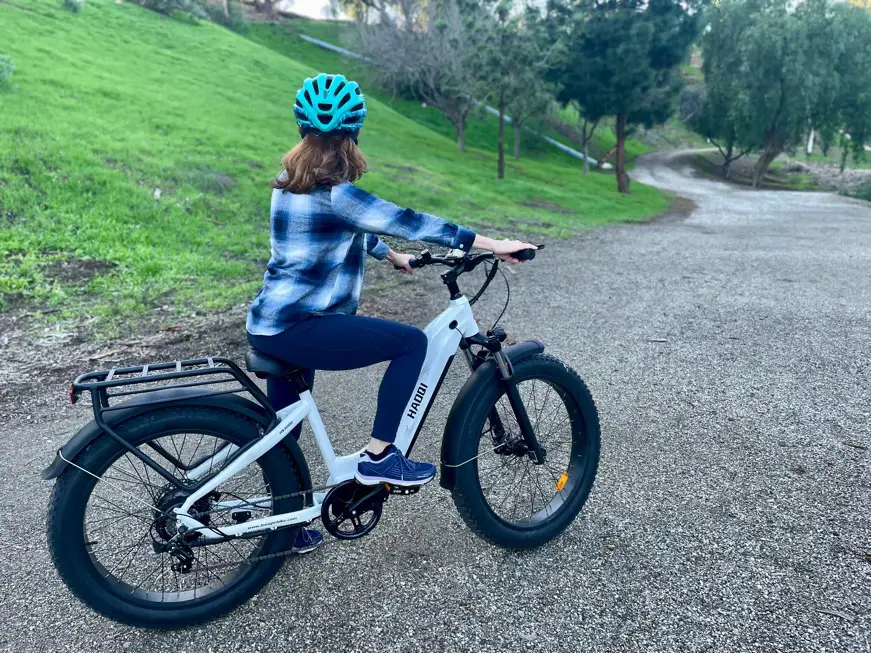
(501, 494)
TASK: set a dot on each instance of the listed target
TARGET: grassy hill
(137, 152)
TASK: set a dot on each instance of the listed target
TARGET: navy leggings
(347, 342)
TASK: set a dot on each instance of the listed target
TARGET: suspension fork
(493, 342)
(493, 416)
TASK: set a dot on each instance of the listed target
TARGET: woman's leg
(282, 394)
(344, 342)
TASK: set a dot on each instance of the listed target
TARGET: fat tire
(68, 503)
(467, 494)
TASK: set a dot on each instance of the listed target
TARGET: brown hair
(327, 160)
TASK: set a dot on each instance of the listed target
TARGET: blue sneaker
(390, 466)
(307, 540)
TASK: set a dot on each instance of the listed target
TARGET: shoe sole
(376, 480)
(302, 552)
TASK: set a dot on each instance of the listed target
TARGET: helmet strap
(305, 131)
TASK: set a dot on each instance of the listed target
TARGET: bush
(235, 21)
(863, 192)
(169, 7)
(7, 68)
(74, 6)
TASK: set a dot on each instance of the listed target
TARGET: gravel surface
(727, 351)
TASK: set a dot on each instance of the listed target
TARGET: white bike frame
(443, 334)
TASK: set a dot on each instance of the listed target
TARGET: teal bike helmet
(329, 103)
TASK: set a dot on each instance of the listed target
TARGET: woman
(322, 226)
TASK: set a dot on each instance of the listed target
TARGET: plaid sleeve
(368, 213)
(376, 247)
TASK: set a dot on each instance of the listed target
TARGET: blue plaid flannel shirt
(319, 241)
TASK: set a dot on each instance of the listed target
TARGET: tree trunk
(517, 128)
(727, 161)
(768, 155)
(500, 170)
(620, 164)
(605, 157)
(585, 141)
(461, 133)
(226, 5)
(844, 152)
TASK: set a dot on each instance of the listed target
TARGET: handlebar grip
(524, 255)
(413, 263)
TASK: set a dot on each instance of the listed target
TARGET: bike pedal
(404, 490)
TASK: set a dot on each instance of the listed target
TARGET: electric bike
(184, 495)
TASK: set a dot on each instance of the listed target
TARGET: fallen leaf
(838, 613)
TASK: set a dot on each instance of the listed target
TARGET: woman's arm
(501, 248)
(366, 212)
(362, 211)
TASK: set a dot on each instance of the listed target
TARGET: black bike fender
(91, 431)
(484, 374)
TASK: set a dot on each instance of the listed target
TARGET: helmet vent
(315, 87)
(324, 107)
(328, 83)
(308, 97)
(343, 101)
(324, 118)
(340, 87)
(357, 90)
(359, 107)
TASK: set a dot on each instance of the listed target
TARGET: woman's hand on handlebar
(400, 261)
(502, 248)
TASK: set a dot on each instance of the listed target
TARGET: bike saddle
(261, 365)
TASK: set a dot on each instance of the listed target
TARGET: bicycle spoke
(133, 566)
(515, 488)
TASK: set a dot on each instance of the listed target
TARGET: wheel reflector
(561, 483)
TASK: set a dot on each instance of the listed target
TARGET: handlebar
(468, 262)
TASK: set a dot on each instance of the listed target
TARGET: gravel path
(728, 354)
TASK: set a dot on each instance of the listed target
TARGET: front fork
(493, 343)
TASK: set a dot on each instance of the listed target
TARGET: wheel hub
(165, 523)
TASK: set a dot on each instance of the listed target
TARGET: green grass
(115, 102)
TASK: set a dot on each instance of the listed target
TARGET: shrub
(7, 68)
(170, 6)
(74, 6)
(235, 21)
(863, 192)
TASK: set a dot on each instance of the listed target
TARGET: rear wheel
(108, 537)
(500, 492)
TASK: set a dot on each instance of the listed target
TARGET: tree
(402, 13)
(773, 72)
(622, 59)
(852, 102)
(721, 66)
(440, 63)
(516, 59)
(532, 93)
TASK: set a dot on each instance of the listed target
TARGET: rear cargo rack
(153, 377)
(145, 386)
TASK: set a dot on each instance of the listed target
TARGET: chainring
(351, 510)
